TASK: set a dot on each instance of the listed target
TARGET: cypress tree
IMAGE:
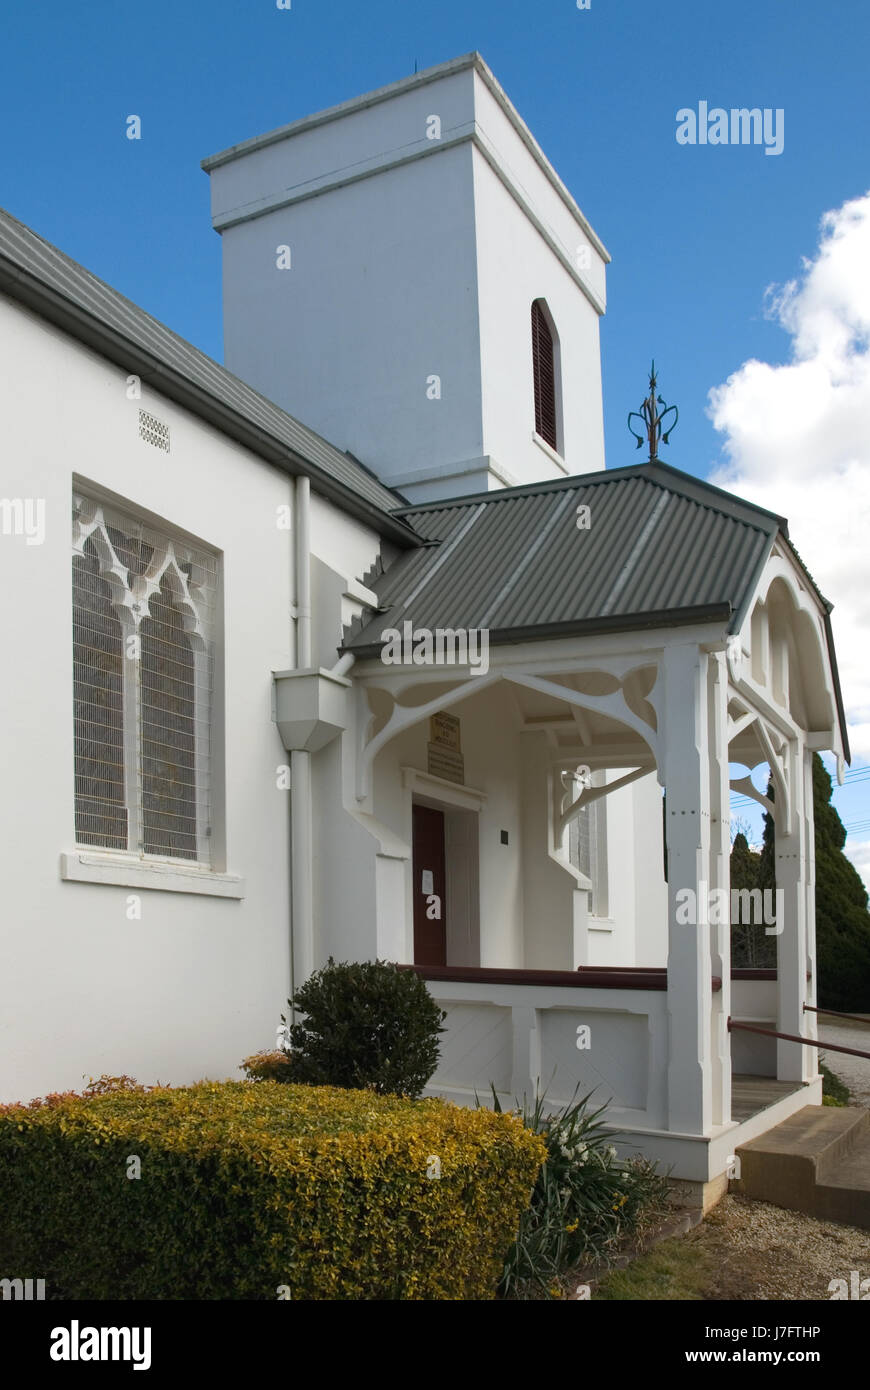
(767, 863)
(842, 919)
(749, 947)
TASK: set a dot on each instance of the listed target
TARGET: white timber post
(720, 880)
(301, 815)
(793, 849)
(810, 1026)
(526, 1066)
(686, 776)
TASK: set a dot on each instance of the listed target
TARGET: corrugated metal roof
(39, 275)
(662, 548)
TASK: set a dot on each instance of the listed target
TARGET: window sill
(551, 453)
(123, 871)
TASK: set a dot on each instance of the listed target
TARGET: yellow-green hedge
(251, 1188)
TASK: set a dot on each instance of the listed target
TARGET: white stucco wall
(198, 982)
(381, 295)
(343, 551)
(515, 267)
(358, 915)
(650, 889)
(410, 259)
(635, 928)
(320, 152)
(506, 140)
(551, 898)
(611, 937)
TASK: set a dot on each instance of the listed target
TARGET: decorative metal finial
(652, 420)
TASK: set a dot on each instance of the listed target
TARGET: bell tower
(407, 274)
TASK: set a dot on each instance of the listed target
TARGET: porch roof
(662, 548)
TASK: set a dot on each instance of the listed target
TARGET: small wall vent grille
(154, 431)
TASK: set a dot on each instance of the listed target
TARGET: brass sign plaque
(444, 730)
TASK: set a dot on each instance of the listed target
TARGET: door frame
(460, 806)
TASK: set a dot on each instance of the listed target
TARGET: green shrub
(584, 1201)
(834, 1091)
(268, 1066)
(366, 1024)
(246, 1190)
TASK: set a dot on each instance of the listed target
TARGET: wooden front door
(430, 927)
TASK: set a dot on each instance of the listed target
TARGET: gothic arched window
(143, 624)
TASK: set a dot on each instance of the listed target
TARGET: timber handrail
(584, 977)
(856, 1018)
(796, 1037)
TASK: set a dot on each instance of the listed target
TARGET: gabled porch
(617, 693)
(563, 971)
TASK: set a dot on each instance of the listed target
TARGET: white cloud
(797, 436)
(797, 441)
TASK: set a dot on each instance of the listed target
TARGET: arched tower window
(544, 366)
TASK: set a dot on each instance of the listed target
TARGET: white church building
(417, 679)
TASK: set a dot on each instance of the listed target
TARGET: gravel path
(752, 1251)
(855, 1071)
(764, 1252)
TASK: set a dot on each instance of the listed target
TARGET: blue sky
(697, 234)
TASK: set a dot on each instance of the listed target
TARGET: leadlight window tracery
(143, 637)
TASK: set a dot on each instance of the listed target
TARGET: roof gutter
(622, 622)
(838, 694)
(57, 309)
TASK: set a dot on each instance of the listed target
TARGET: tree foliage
(751, 947)
(842, 918)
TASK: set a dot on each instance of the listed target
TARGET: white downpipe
(301, 867)
(343, 665)
(303, 573)
(301, 821)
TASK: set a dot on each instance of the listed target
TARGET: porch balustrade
(524, 1031)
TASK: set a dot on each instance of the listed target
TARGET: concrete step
(817, 1161)
(844, 1193)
